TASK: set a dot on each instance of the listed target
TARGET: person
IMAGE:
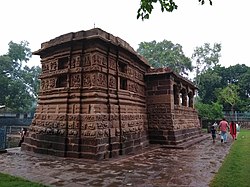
(223, 127)
(233, 130)
(213, 132)
(215, 125)
(23, 133)
(237, 129)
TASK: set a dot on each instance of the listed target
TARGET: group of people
(223, 128)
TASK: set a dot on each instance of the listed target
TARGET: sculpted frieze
(112, 82)
(45, 67)
(102, 125)
(73, 117)
(75, 80)
(114, 117)
(86, 60)
(112, 64)
(71, 125)
(101, 117)
(75, 61)
(138, 75)
(53, 66)
(88, 133)
(52, 83)
(101, 79)
(133, 87)
(92, 68)
(44, 130)
(103, 133)
(86, 80)
(61, 117)
(72, 132)
(99, 59)
(88, 118)
(91, 126)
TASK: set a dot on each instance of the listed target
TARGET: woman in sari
(233, 130)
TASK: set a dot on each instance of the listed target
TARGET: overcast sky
(191, 25)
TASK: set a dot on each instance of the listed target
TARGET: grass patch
(11, 181)
(235, 170)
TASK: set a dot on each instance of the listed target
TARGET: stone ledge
(188, 143)
(3, 151)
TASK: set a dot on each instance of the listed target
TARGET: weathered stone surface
(99, 99)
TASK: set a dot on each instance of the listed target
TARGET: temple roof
(167, 70)
(89, 34)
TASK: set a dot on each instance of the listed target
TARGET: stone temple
(99, 99)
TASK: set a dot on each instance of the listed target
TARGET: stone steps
(188, 143)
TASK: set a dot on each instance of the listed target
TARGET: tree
(229, 95)
(239, 75)
(213, 80)
(165, 54)
(210, 81)
(19, 83)
(209, 111)
(146, 7)
(205, 57)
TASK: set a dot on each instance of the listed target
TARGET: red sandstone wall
(84, 108)
(168, 123)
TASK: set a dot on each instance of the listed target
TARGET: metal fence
(237, 116)
(2, 138)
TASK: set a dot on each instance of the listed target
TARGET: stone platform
(190, 166)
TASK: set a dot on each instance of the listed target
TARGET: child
(23, 133)
(213, 131)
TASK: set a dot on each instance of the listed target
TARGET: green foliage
(209, 111)
(214, 80)
(206, 57)
(11, 181)
(165, 54)
(235, 168)
(210, 81)
(19, 53)
(146, 7)
(229, 95)
(19, 83)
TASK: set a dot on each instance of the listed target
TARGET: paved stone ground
(158, 167)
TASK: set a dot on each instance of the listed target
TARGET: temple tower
(92, 98)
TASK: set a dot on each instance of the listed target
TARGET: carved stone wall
(92, 98)
(171, 116)
(99, 99)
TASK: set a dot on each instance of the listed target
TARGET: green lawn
(235, 170)
(11, 181)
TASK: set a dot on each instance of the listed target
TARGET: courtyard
(158, 166)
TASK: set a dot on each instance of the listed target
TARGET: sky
(191, 25)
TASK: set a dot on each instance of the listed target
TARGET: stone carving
(75, 80)
(86, 80)
(101, 80)
(98, 96)
(99, 59)
(53, 66)
(112, 63)
(76, 62)
(112, 82)
(87, 60)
